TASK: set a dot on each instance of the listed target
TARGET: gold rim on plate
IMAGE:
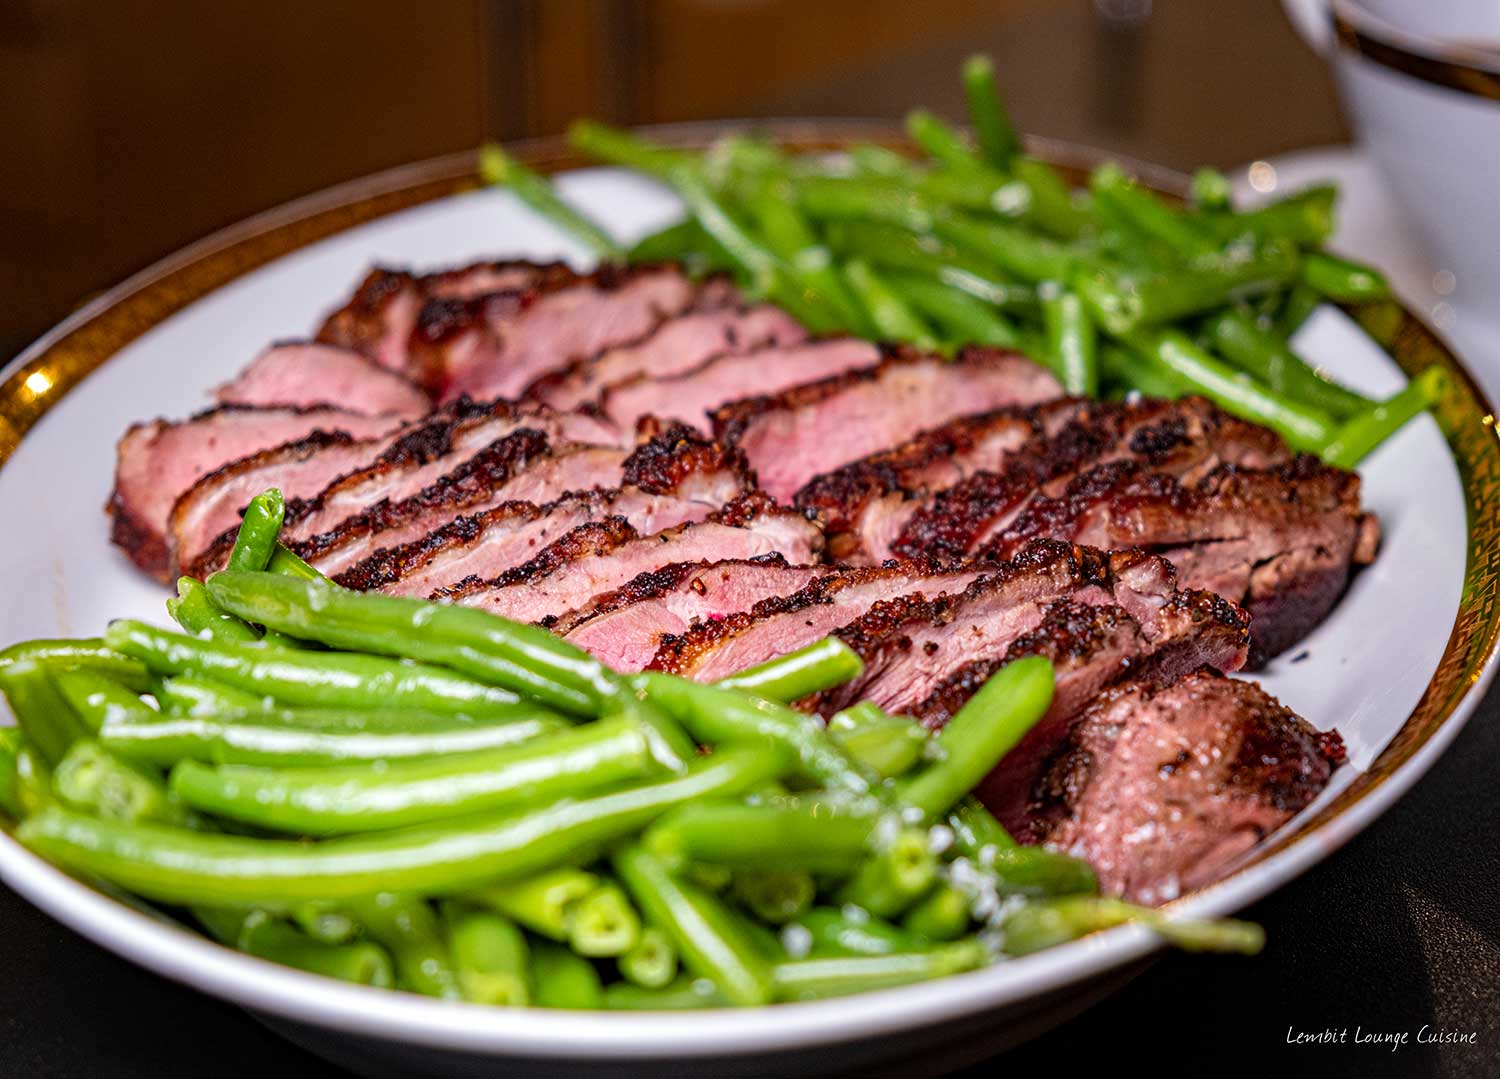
(44, 373)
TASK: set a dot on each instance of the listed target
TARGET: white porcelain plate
(1396, 668)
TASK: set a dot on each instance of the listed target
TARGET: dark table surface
(1398, 930)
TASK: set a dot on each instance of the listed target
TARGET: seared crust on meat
(1278, 541)
(680, 653)
(910, 468)
(1161, 787)
(664, 461)
(1177, 437)
(591, 539)
(390, 564)
(466, 485)
(652, 584)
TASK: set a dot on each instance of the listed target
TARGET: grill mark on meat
(689, 397)
(673, 479)
(159, 461)
(781, 624)
(794, 435)
(1278, 541)
(1187, 438)
(1163, 787)
(624, 627)
(674, 458)
(602, 556)
(864, 505)
(521, 467)
(916, 648)
(497, 344)
(676, 345)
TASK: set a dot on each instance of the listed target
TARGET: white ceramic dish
(1397, 668)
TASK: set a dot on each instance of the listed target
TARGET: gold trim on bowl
(1454, 72)
(44, 373)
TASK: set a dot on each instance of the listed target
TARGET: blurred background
(132, 129)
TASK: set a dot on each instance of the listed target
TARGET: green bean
(318, 680)
(290, 739)
(560, 979)
(185, 695)
(789, 833)
(997, 135)
(888, 746)
(324, 924)
(930, 257)
(1072, 340)
(975, 829)
(1352, 442)
(288, 564)
(92, 780)
(603, 923)
(521, 658)
(1124, 302)
(944, 914)
(1036, 871)
(1267, 357)
(259, 528)
(87, 654)
(1035, 926)
(1028, 256)
(1304, 427)
(1051, 206)
(775, 895)
(865, 199)
(678, 242)
(196, 612)
(709, 939)
(1305, 218)
(769, 274)
(811, 669)
(543, 903)
(345, 799)
(1301, 301)
(713, 715)
(98, 700)
(962, 318)
(792, 239)
(652, 963)
(892, 318)
(980, 190)
(1176, 230)
(177, 866)
(685, 994)
(33, 780)
(622, 148)
(490, 956)
(407, 927)
(832, 976)
(851, 931)
(1211, 190)
(267, 938)
(896, 877)
(941, 141)
(713, 878)
(499, 169)
(43, 714)
(10, 788)
(986, 728)
(1342, 280)
(1120, 366)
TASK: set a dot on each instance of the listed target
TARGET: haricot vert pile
(404, 794)
(1115, 289)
